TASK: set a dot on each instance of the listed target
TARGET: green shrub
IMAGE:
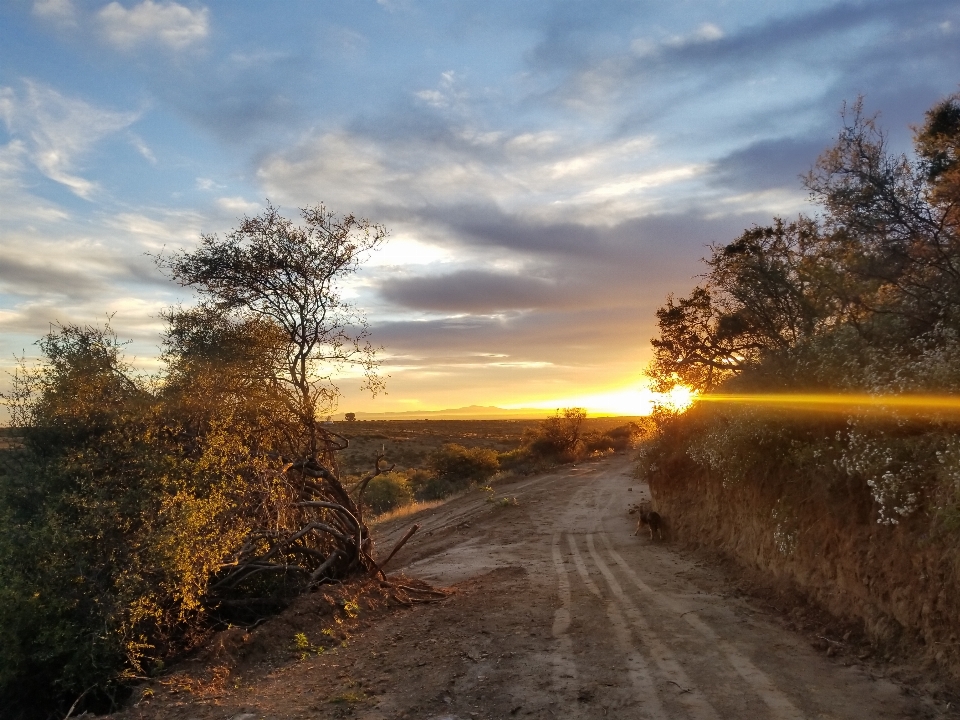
(454, 467)
(388, 491)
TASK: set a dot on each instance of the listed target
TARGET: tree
(893, 220)
(264, 348)
(765, 292)
(80, 494)
(135, 510)
(455, 464)
(279, 273)
(881, 262)
(559, 435)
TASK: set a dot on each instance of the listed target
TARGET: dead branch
(377, 470)
(336, 446)
(318, 573)
(316, 530)
(400, 544)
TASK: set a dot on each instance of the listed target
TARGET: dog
(650, 518)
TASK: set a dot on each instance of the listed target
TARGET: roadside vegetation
(860, 507)
(140, 513)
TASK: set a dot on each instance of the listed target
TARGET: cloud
(25, 270)
(207, 184)
(168, 23)
(56, 267)
(61, 12)
(768, 164)
(542, 173)
(55, 131)
(238, 205)
(394, 5)
(563, 337)
(649, 244)
(705, 33)
(447, 95)
(471, 291)
(141, 147)
(829, 52)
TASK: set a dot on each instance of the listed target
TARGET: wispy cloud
(542, 173)
(61, 12)
(167, 24)
(56, 132)
(141, 147)
(705, 33)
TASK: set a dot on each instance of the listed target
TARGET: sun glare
(843, 402)
(627, 401)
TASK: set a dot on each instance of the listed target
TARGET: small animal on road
(650, 518)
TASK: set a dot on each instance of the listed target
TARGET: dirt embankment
(900, 584)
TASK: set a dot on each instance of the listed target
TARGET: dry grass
(407, 510)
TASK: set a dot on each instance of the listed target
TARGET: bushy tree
(284, 279)
(619, 438)
(880, 262)
(865, 298)
(388, 491)
(79, 494)
(559, 436)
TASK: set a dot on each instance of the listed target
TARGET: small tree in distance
(559, 435)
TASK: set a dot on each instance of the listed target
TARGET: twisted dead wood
(319, 534)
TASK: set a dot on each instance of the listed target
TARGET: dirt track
(617, 625)
(560, 612)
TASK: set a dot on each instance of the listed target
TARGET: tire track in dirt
(779, 704)
(565, 682)
(690, 696)
(645, 693)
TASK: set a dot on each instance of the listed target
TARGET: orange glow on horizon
(636, 401)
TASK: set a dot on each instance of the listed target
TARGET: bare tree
(290, 275)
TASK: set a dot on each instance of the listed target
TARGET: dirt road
(613, 625)
(560, 612)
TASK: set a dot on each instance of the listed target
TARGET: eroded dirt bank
(559, 611)
(898, 583)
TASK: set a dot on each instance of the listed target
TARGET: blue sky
(549, 171)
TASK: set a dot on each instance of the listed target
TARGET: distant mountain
(473, 412)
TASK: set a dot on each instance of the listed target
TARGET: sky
(548, 171)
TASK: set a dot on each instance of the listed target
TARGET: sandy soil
(561, 612)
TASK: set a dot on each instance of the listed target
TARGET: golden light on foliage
(679, 398)
(842, 402)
